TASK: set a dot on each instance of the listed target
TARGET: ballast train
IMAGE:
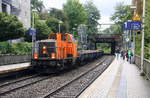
(58, 52)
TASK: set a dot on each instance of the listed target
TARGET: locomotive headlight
(44, 49)
(53, 55)
(36, 56)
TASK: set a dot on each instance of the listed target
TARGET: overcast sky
(106, 7)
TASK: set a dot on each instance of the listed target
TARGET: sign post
(32, 32)
(133, 25)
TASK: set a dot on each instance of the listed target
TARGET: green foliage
(19, 48)
(106, 47)
(57, 15)
(53, 24)
(76, 13)
(147, 31)
(37, 4)
(10, 27)
(147, 35)
(122, 14)
(138, 44)
(93, 16)
(42, 31)
(114, 29)
(44, 16)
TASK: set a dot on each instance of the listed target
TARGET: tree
(122, 14)
(93, 16)
(37, 4)
(42, 30)
(44, 16)
(10, 27)
(53, 24)
(113, 29)
(76, 13)
(59, 15)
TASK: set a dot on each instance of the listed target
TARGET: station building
(20, 8)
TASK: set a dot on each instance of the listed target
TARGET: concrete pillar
(113, 47)
(0, 5)
(8, 9)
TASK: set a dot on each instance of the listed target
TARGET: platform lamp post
(142, 42)
(33, 17)
(59, 24)
(33, 34)
(129, 36)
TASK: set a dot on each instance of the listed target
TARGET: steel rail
(66, 84)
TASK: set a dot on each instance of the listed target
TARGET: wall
(13, 59)
(146, 66)
(0, 5)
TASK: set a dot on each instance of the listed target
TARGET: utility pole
(142, 42)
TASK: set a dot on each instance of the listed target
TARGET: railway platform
(13, 67)
(120, 80)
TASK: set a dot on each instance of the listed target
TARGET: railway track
(16, 81)
(65, 90)
(51, 86)
(7, 88)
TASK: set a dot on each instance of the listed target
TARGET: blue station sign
(32, 31)
(132, 25)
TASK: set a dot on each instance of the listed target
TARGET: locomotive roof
(47, 40)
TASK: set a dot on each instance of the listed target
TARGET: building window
(4, 8)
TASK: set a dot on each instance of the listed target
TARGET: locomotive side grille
(50, 48)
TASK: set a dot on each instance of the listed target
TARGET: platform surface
(120, 80)
(13, 67)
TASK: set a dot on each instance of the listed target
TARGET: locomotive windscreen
(50, 47)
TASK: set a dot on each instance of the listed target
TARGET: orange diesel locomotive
(59, 51)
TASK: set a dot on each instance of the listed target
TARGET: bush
(19, 48)
(4, 48)
(10, 27)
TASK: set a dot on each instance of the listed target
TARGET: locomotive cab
(58, 49)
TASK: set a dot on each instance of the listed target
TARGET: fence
(13, 59)
(146, 65)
